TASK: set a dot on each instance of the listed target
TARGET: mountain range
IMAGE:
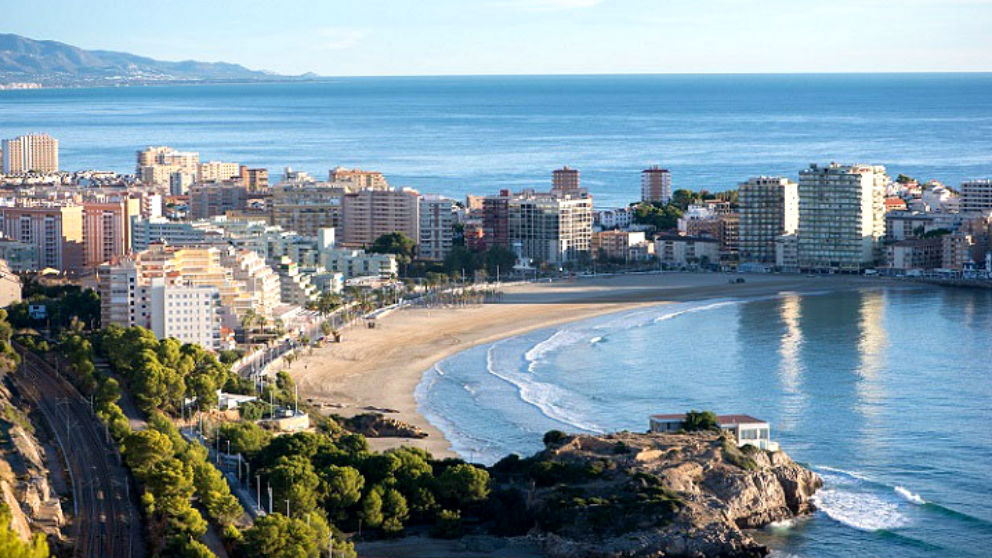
(51, 63)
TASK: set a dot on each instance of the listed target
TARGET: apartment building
(306, 208)
(769, 208)
(621, 245)
(976, 195)
(357, 179)
(37, 153)
(217, 171)
(683, 251)
(547, 228)
(163, 304)
(352, 263)
(184, 312)
(841, 216)
(369, 213)
(255, 180)
(144, 232)
(155, 165)
(208, 200)
(56, 230)
(565, 181)
(107, 229)
(656, 185)
(437, 227)
(496, 221)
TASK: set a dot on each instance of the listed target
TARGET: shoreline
(382, 367)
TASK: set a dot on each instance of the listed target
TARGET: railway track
(106, 522)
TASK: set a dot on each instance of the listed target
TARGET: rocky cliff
(655, 495)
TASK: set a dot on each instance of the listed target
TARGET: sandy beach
(381, 367)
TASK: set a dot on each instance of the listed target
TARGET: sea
(885, 392)
(461, 135)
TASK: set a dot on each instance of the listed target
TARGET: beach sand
(381, 367)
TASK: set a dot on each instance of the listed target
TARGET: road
(106, 521)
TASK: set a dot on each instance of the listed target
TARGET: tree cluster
(492, 260)
(63, 304)
(338, 478)
(161, 374)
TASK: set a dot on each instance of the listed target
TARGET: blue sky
(430, 37)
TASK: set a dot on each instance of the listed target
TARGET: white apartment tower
(437, 224)
(769, 208)
(550, 228)
(841, 216)
(656, 185)
(36, 152)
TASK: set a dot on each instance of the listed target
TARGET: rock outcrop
(376, 425)
(659, 495)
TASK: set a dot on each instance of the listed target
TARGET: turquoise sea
(458, 135)
(885, 392)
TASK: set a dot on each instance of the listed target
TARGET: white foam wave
(909, 496)
(781, 525)
(595, 340)
(860, 510)
(560, 338)
(546, 397)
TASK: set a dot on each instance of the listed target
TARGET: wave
(541, 395)
(909, 496)
(861, 510)
(560, 338)
(595, 340)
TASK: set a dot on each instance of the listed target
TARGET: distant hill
(52, 63)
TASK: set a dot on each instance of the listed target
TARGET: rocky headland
(655, 495)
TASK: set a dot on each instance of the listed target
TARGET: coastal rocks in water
(655, 495)
(375, 425)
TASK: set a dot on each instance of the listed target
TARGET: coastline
(382, 367)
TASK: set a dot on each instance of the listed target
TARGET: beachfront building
(437, 227)
(714, 221)
(917, 253)
(656, 185)
(550, 228)
(56, 230)
(769, 208)
(747, 430)
(37, 153)
(353, 263)
(297, 288)
(306, 207)
(686, 251)
(370, 213)
(976, 196)
(841, 216)
(787, 253)
(624, 246)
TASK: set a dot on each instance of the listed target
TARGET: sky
(440, 37)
